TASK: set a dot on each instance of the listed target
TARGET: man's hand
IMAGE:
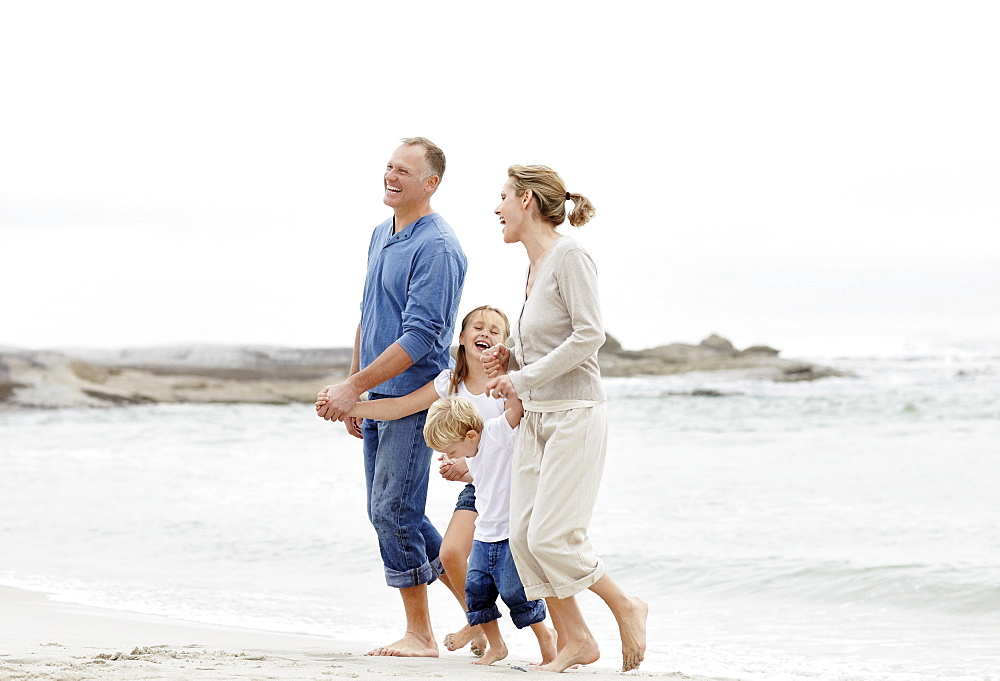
(334, 401)
(495, 360)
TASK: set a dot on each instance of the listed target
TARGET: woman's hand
(495, 360)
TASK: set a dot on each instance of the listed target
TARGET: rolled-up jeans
(397, 468)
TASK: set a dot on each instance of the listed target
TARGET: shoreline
(45, 639)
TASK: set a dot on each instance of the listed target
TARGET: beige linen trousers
(557, 468)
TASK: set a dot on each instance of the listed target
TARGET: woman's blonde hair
(449, 420)
(461, 370)
(550, 195)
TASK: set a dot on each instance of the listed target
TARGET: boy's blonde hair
(449, 420)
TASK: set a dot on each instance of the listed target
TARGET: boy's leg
(497, 648)
(523, 612)
(480, 591)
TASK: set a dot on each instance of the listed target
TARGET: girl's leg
(498, 649)
(455, 549)
(630, 612)
(576, 644)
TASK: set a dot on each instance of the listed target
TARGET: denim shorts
(466, 499)
(491, 574)
(397, 470)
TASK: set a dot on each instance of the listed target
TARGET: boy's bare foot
(493, 654)
(573, 654)
(467, 635)
(632, 626)
(410, 645)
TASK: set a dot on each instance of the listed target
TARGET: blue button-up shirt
(412, 290)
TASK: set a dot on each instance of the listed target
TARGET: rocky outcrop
(712, 354)
(274, 375)
(200, 374)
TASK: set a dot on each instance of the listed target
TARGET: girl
(481, 329)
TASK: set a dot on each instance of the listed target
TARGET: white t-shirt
(489, 407)
(490, 469)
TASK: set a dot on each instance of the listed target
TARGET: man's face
(402, 183)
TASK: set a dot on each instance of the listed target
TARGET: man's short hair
(449, 420)
(435, 157)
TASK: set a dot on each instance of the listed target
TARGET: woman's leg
(630, 612)
(455, 549)
(576, 644)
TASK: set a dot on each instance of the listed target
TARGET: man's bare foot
(465, 636)
(632, 626)
(411, 645)
(493, 654)
(573, 654)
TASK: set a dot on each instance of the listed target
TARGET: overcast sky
(770, 171)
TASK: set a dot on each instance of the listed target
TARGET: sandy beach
(45, 639)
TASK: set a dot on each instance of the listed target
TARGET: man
(416, 269)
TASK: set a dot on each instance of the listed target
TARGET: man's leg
(418, 641)
(397, 467)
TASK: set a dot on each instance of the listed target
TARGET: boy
(455, 428)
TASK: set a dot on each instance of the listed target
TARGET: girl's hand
(322, 398)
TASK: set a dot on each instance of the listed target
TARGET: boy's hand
(501, 387)
(452, 469)
(495, 360)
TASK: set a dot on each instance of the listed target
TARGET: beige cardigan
(559, 332)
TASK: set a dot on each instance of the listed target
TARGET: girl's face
(511, 212)
(484, 330)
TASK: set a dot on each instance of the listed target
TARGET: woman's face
(511, 212)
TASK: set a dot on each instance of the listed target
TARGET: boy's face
(464, 448)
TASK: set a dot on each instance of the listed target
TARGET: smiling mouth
(482, 345)
(394, 190)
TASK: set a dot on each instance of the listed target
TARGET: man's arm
(343, 396)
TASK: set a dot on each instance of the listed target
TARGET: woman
(563, 436)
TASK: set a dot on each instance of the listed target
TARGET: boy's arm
(392, 408)
(514, 411)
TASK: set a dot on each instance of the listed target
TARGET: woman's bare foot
(632, 626)
(410, 645)
(573, 654)
(547, 639)
(465, 636)
(493, 654)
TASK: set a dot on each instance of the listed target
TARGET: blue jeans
(397, 468)
(466, 499)
(492, 573)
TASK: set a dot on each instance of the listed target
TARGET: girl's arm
(392, 408)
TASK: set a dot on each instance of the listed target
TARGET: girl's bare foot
(467, 635)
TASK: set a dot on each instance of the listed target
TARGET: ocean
(841, 529)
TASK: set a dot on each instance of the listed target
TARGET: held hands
(495, 360)
(334, 402)
(452, 469)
